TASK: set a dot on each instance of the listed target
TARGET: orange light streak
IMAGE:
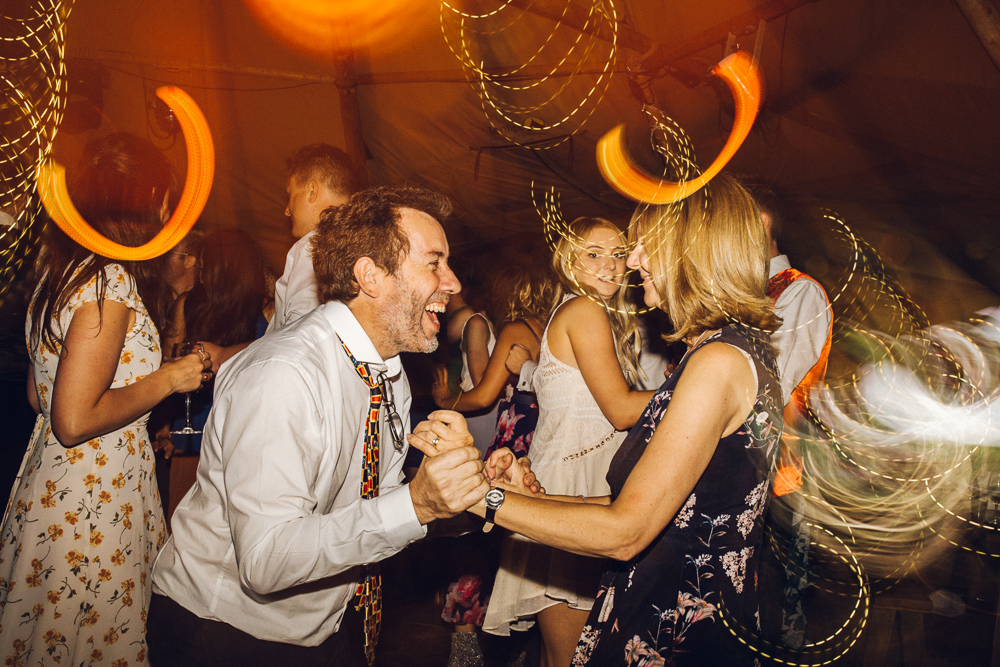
(51, 179)
(742, 74)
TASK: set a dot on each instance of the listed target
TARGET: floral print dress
(84, 523)
(666, 606)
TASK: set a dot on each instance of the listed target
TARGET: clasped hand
(450, 478)
(505, 470)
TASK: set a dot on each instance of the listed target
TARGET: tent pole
(983, 19)
(350, 114)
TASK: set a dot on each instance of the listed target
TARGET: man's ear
(190, 261)
(369, 276)
(313, 190)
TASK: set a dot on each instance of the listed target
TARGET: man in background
(319, 176)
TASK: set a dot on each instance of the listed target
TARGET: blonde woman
(683, 524)
(586, 365)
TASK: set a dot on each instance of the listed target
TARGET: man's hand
(443, 430)
(448, 481)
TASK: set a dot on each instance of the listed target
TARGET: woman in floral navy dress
(689, 486)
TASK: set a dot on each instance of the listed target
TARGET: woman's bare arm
(494, 378)
(32, 392)
(711, 400)
(84, 405)
(476, 344)
(580, 335)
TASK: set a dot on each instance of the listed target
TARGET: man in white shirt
(319, 176)
(801, 343)
(270, 545)
(801, 350)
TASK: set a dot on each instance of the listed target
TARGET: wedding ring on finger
(435, 441)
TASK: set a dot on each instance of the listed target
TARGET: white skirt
(532, 577)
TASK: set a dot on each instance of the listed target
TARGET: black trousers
(178, 638)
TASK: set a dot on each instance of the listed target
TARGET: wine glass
(182, 350)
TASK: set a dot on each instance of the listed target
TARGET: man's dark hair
(768, 202)
(327, 164)
(366, 226)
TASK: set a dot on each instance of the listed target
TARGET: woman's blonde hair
(522, 293)
(621, 313)
(708, 259)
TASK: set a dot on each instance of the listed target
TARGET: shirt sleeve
(275, 471)
(798, 342)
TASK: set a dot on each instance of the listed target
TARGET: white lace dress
(570, 454)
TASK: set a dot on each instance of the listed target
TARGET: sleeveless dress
(482, 423)
(666, 606)
(570, 454)
(517, 415)
(83, 524)
(467, 599)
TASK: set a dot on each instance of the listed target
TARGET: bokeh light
(326, 29)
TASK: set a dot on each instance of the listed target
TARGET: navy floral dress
(666, 606)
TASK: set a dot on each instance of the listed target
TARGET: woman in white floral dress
(683, 524)
(84, 521)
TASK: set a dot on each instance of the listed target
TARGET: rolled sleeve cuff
(399, 518)
(524, 381)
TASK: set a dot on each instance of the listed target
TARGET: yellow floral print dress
(83, 524)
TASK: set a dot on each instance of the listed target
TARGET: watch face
(494, 497)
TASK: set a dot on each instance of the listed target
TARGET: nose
(449, 282)
(635, 257)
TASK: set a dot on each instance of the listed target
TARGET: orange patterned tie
(370, 586)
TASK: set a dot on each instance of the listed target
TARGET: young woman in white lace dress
(583, 380)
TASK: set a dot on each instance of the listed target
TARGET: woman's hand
(189, 372)
(503, 469)
(439, 390)
(516, 358)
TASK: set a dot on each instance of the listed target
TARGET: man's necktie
(370, 586)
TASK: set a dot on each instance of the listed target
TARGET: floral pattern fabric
(83, 523)
(517, 416)
(666, 606)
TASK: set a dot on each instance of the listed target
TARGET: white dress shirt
(270, 537)
(805, 322)
(295, 291)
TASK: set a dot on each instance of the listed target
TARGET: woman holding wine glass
(84, 521)
(226, 310)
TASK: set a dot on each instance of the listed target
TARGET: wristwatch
(494, 499)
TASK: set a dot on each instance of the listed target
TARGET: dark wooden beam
(984, 21)
(576, 16)
(743, 24)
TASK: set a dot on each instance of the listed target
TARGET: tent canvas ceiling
(883, 110)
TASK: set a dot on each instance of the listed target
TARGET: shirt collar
(777, 265)
(354, 336)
